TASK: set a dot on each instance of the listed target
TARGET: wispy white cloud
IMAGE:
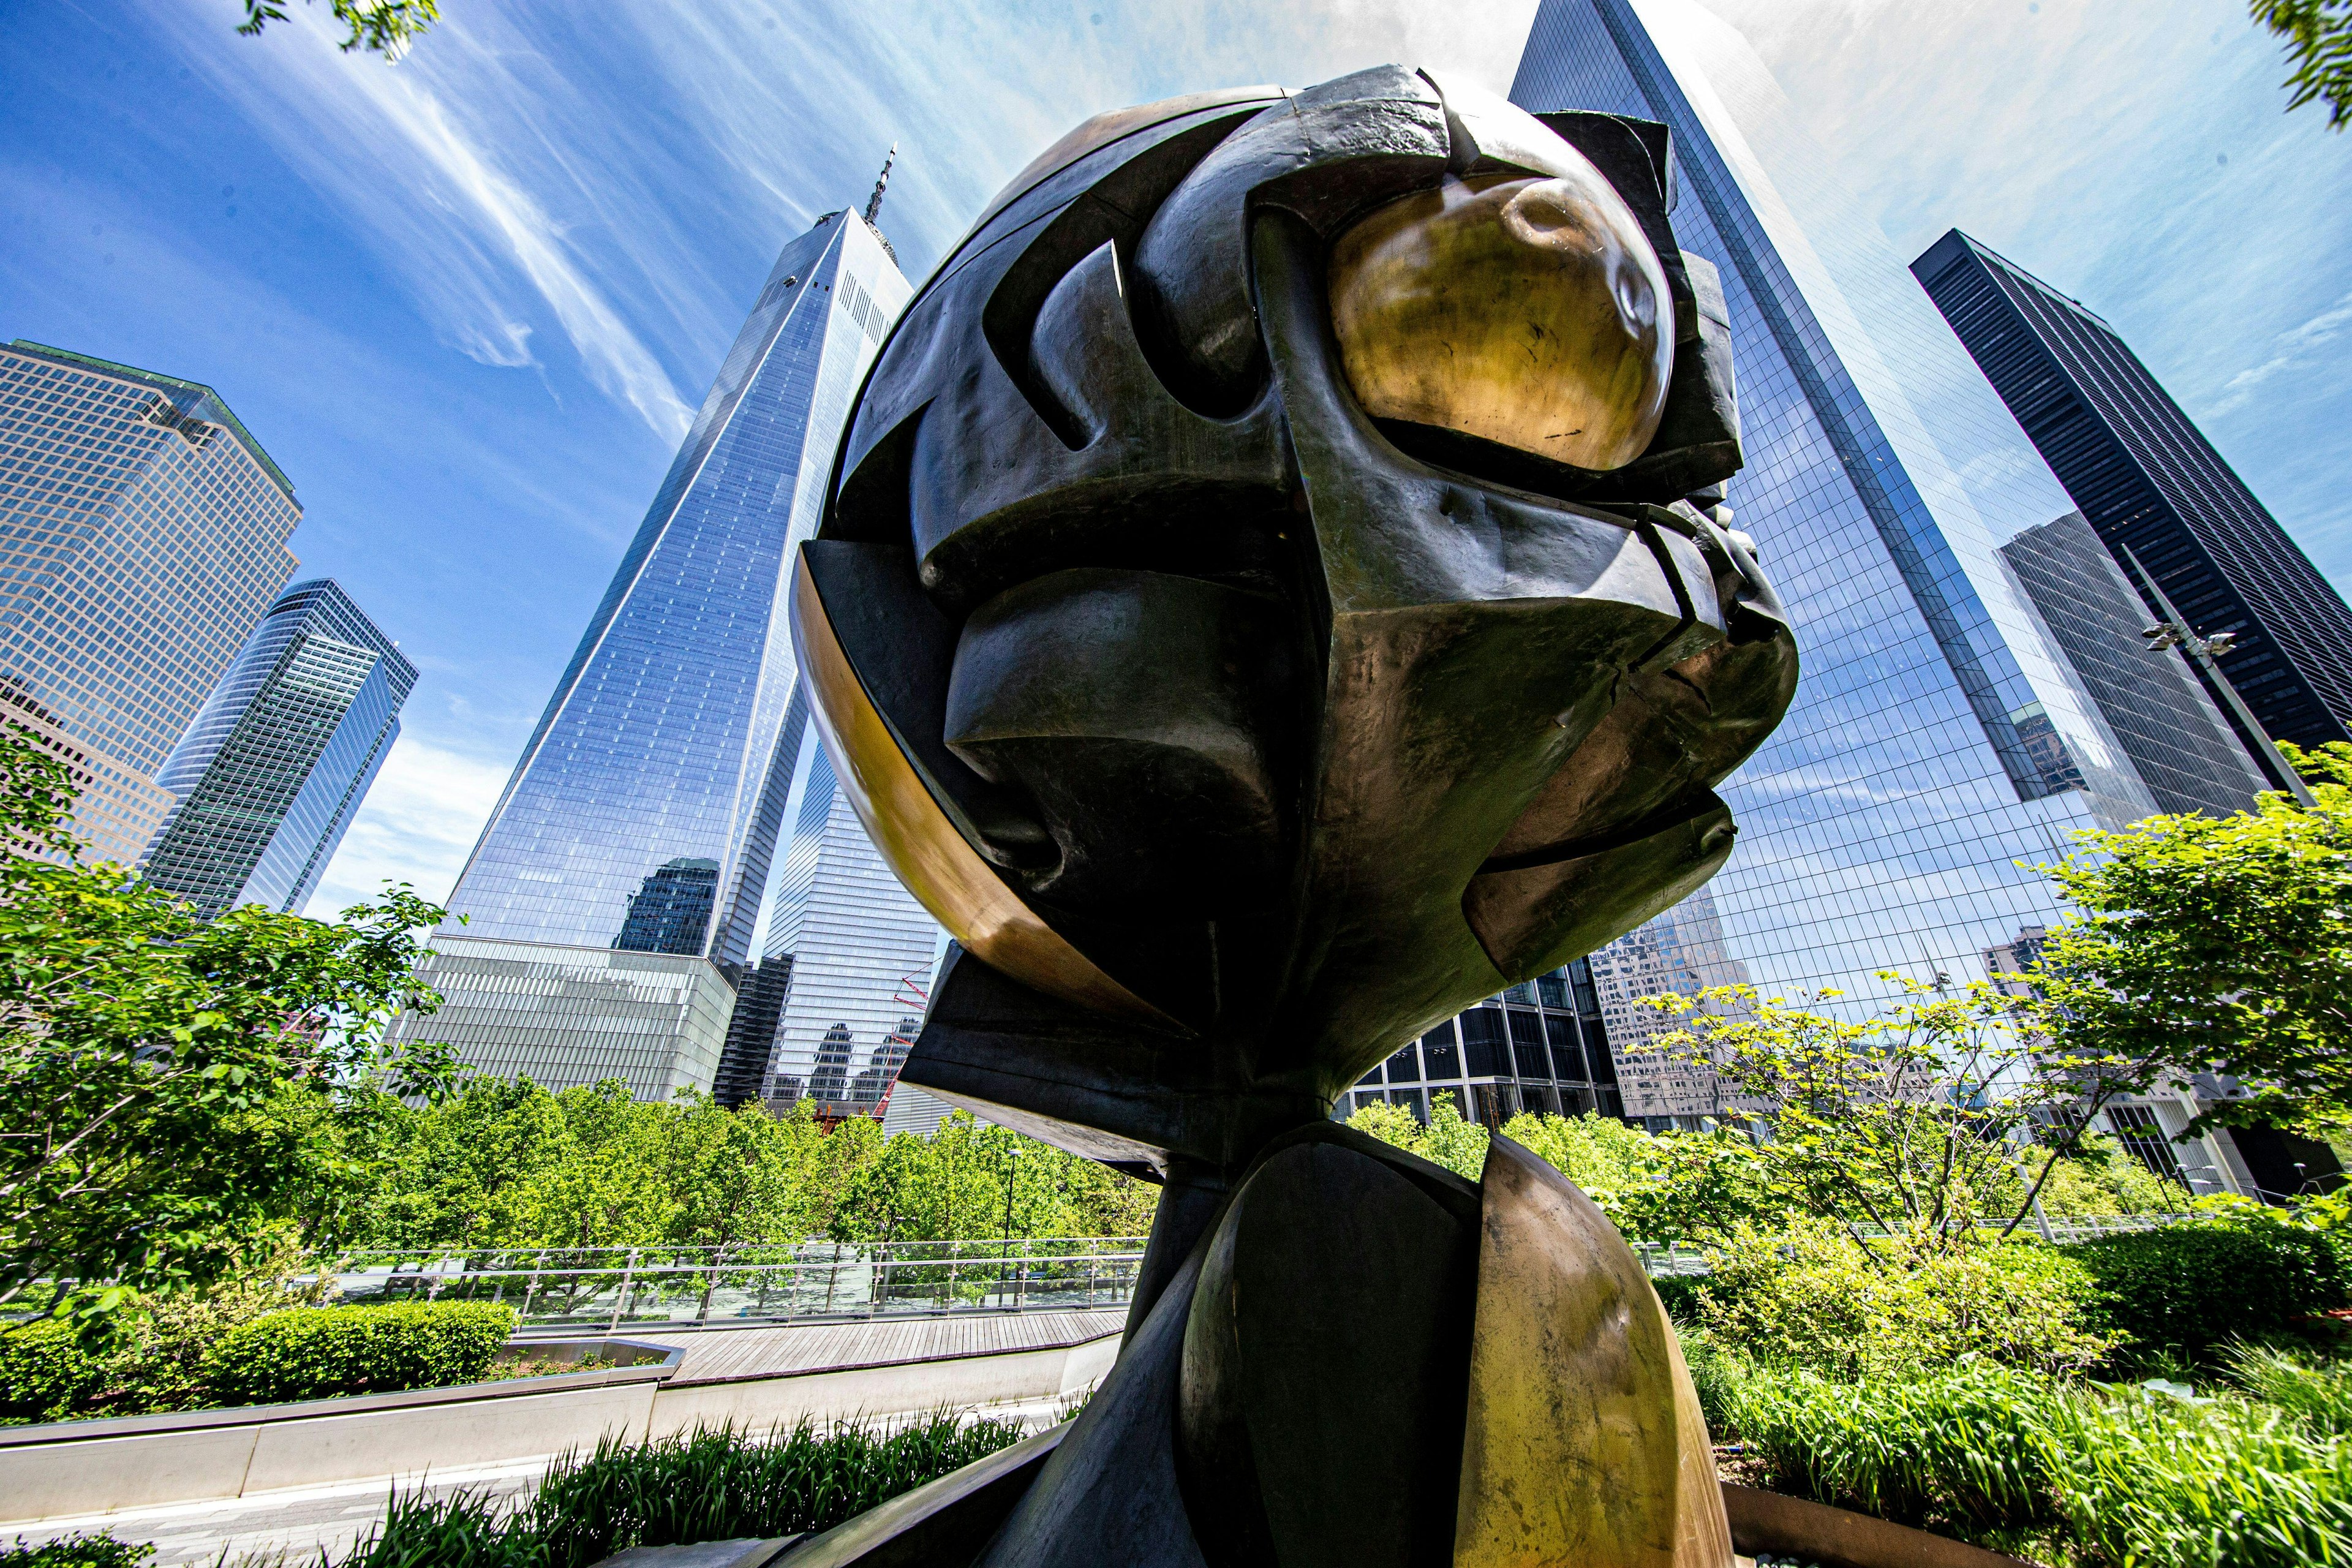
(2292, 352)
(420, 822)
(420, 157)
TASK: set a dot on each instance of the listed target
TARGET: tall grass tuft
(2121, 1477)
(2320, 1396)
(709, 1484)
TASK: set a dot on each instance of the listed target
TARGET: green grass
(2064, 1471)
(706, 1485)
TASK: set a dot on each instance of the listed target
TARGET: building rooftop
(193, 399)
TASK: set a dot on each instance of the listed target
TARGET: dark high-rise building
(2168, 725)
(752, 1032)
(670, 910)
(274, 768)
(1539, 1046)
(2146, 478)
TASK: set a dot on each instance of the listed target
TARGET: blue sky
(469, 300)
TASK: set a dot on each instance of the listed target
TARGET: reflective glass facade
(862, 952)
(645, 811)
(2146, 479)
(2181, 744)
(142, 533)
(661, 740)
(563, 1016)
(1937, 739)
(276, 764)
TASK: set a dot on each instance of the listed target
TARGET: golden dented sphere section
(1529, 311)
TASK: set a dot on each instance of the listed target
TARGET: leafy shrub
(2186, 1289)
(45, 1372)
(158, 1360)
(99, 1550)
(2098, 1179)
(1811, 1297)
(316, 1352)
(1678, 1293)
(706, 1485)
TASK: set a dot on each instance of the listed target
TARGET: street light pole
(2173, 631)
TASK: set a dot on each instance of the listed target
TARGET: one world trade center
(613, 905)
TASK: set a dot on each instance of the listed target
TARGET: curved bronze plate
(1583, 1446)
(943, 872)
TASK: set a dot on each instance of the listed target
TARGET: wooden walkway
(728, 1355)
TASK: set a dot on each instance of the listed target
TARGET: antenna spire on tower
(874, 202)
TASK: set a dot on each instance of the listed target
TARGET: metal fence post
(621, 1301)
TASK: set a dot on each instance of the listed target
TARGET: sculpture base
(1363, 1362)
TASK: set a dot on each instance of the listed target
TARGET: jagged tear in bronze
(1271, 598)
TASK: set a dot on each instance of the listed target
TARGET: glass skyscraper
(142, 533)
(2148, 480)
(645, 812)
(1936, 739)
(274, 768)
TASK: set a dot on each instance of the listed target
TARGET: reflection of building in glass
(862, 950)
(670, 912)
(1681, 952)
(274, 768)
(2159, 712)
(752, 1032)
(2017, 957)
(1536, 1047)
(674, 736)
(828, 1082)
(2146, 478)
(143, 533)
(872, 1090)
(2255, 1162)
(1936, 739)
(564, 1015)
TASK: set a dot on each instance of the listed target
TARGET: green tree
(382, 27)
(1910, 1119)
(2318, 39)
(174, 1091)
(2219, 944)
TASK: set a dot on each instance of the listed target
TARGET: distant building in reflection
(1682, 951)
(2160, 714)
(2261, 1162)
(670, 912)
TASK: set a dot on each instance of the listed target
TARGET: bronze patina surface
(1583, 1442)
(1273, 594)
(1530, 312)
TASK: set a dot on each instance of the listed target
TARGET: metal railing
(614, 1286)
(1678, 1260)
